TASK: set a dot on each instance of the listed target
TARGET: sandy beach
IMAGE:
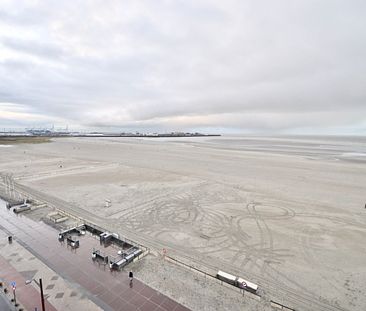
(287, 213)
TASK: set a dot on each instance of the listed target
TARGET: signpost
(14, 286)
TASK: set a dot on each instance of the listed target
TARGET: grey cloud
(32, 47)
(22, 16)
(253, 65)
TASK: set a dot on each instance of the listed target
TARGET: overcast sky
(230, 66)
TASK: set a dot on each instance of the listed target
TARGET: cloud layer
(237, 65)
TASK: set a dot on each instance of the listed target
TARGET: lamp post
(41, 288)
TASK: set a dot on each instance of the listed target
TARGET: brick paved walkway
(110, 290)
(26, 294)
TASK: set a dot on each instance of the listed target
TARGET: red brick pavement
(27, 295)
(110, 288)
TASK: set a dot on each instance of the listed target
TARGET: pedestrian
(130, 275)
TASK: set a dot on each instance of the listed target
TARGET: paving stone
(59, 295)
(28, 274)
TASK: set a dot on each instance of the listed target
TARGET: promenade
(71, 280)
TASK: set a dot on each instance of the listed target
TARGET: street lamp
(41, 288)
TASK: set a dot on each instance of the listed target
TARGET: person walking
(130, 275)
